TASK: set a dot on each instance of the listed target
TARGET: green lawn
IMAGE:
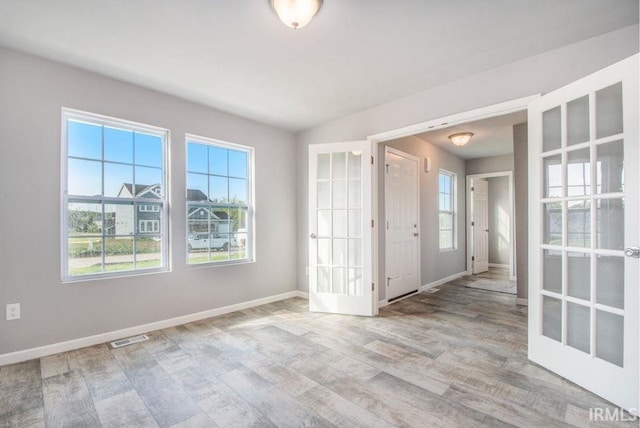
(115, 267)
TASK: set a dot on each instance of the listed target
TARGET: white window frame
(250, 234)
(453, 210)
(96, 119)
(148, 226)
(148, 208)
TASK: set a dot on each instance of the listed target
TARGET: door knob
(632, 252)
(313, 236)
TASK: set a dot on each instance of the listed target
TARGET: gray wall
(489, 164)
(434, 264)
(32, 92)
(520, 183)
(537, 74)
(499, 220)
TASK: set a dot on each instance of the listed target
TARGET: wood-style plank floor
(451, 357)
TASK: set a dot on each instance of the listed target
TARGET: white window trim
(250, 233)
(150, 226)
(454, 212)
(97, 119)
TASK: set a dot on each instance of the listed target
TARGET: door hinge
(473, 223)
(472, 189)
(473, 258)
(372, 286)
(387, 225)
(387, 166)
(371, 160)
(371, 223)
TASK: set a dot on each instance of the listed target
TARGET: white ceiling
(491, 137)
(236, 56)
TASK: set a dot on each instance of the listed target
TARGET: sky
(130, 156)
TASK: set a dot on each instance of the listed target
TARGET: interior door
(402, 236)
(340, 228)
(480, 224)
(583, 211)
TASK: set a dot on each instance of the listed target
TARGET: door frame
(397, 152)
(485, 112)
(512, 224)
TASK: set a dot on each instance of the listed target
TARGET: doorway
(491, 225)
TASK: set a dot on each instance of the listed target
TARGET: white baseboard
(43, 351)
(302, 294)
(383, 303)
(523, 302)
(443, 280)
(497, 265)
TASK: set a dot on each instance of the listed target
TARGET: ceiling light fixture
(296, 13)
(461, 138)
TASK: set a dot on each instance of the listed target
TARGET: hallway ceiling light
(296, 13)
(461, 138)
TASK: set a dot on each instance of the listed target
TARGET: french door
(584, 190)
(340, 230)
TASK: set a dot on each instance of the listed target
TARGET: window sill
(447, 250)
(220, 264)
(113, 275)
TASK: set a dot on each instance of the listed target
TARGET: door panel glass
(552, 318)
(324, 222)
(551, 139)
(610, 274)
(340, 223)
(324, 166)
(324, 279)
(355, 282)
(552, 270)
(355, 223)
(339, 280)
(579, 275)
(355, 252)
(552, 215)
(610, 337)
(355, 164)
(324, 251)
(610, 167)
(324, 194)
(610, 223)
(578, 121)
(578, 173)
(339, 165)
(579, 223)
(355, 196)
(339, 252)
(552, 166)
(339, 194)
(609, 111)
(578, 327)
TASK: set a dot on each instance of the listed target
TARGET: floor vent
(129, 341)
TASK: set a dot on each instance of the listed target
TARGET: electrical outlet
(13, 311)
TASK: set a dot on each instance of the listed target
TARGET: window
(219, 202)
(114, 202)
(446, 193)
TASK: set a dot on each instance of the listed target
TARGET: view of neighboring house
(121, 222)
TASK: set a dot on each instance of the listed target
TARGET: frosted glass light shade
(461, 138)
(296, 13)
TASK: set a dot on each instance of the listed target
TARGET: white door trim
(418, 254)
(512, 227)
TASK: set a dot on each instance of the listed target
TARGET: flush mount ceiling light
(461, 138)
(296, 13)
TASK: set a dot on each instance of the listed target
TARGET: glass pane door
(340, 241)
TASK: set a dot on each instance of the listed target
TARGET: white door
(583, 212)
(480, 224)
(402, 237)
(340, 229)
